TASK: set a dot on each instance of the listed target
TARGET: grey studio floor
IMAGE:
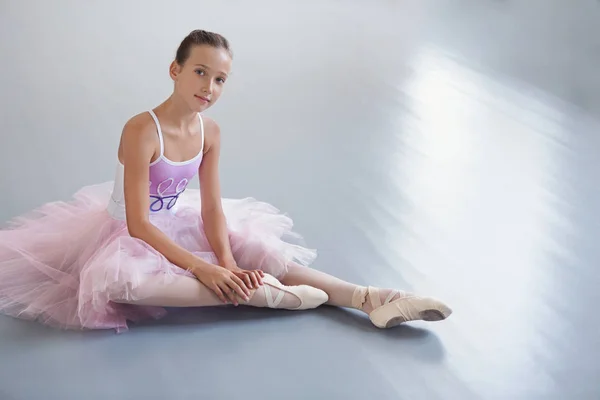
(444, 147)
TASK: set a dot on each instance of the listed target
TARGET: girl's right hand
(223, 282)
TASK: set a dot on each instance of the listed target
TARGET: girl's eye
(200, 72)
(220, 80)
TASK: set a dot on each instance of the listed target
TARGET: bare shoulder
(140, 127)
(212, 133)
(139, 132)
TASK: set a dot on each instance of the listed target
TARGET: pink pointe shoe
(274, 294)
(408, 307)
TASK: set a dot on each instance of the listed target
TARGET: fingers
(237, 284)
(219, 293)
(254, 279)
(230, 293)
(248, 281)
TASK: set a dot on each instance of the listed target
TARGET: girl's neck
(175, 112)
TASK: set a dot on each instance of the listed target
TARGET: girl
(125, 250)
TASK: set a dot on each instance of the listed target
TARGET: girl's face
(199, 81)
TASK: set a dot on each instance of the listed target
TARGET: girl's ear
(174, 70)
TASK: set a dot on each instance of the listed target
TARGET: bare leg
(385, 307)
(184, 291)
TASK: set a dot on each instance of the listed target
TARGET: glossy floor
(445, 147)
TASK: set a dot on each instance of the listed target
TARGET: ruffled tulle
(63, 262)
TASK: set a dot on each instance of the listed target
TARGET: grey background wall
(73, 72)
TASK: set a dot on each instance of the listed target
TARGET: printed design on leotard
(163, 200)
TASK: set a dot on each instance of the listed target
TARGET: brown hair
(200, 37)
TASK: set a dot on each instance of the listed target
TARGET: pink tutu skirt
(59, 262)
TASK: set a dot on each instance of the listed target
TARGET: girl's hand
(223, 282)
(252, 278)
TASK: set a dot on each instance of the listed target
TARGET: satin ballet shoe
(308, 296)
(409, 307)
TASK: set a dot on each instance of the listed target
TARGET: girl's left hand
(252, 278)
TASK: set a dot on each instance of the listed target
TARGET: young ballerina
(124, 250)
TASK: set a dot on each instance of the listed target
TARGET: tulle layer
(62, 263)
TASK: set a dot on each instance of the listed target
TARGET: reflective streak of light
(475, 163)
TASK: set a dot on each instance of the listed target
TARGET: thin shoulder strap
(201, 132)
(160, 135)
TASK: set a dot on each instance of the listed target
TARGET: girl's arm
(215, 224)
(212, 211)
(138, 146)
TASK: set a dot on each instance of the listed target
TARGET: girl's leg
(340, 292)
(385, 307)
(185, 291)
